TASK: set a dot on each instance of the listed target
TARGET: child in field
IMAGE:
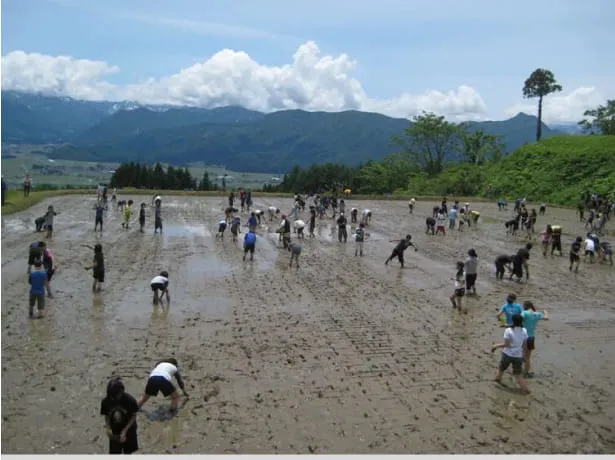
(160, 284)
(161, 381)
(249, 244)
(98, 220)
(295, 252)
(460, 289)
(98, 267)
(120, 411)
(127, 214)
(37, 280)
(359, 238)
(49, 217)
(158, 217)
(221, 228)
(235, 227)
(514, 349)
(142, 217)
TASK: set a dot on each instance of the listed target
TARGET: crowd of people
(120, 408)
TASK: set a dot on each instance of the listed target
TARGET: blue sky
(399, 46)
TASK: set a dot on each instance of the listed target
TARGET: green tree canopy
(539, 84)
(601, 120)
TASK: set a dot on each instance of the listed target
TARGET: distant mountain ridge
(243, 139)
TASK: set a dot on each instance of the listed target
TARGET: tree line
(157, 177)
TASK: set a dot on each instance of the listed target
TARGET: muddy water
(341, 355)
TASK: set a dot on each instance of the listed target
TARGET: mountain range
(239, 138)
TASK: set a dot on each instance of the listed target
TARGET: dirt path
(344, 355)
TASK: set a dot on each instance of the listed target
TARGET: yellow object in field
(556, 228)
(475, 213)
(347, 192)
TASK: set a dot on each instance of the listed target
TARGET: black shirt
(522, 255)
(120, 412)
(575, 248)
(341, 222)
(504, 259)
(99, 261)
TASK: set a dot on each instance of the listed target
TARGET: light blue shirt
(510, 310)
(530, 320)
(452, 214)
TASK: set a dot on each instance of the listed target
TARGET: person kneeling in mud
(501, 263)
(398, 251)
(161, 381)
(295, 252)
(98, 267)
(460, 290)
(160, 287)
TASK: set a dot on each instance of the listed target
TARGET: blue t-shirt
(530, 320)
(99, 211)
(250, 238)
(252, 221)
(38, 278)
(452, 214)
(510, 310)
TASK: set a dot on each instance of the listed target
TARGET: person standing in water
(359, 238)
(295, 252)
(252, 222)
(312, 221)
(127, 214)
(460, 290)
(342, 233)
(161, 381)
(98, 219)
(142, 218)
(575, 254)
(37, 279)
(49, 218)
(249, 244)
(411, 204)
(508, 310)
(514, 348)
(98, 267)
(120, 411)
(157, 217)
(398, 251)
(471, 271)
(530, 321)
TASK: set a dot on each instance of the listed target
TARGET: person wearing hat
(508, 310)
(120, 411)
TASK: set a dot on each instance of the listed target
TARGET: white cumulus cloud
(311, 81)
(562, 108)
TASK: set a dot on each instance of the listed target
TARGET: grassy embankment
(556, 170)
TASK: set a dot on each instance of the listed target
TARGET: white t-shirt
(441, 219)
(272, 209)
(299, 224)
(366, 212)
(589, 245)
(160, 280)
(157, 198)
(222, 222)
(517, 336)
(166, 370)
(354, 210)
(412, 201)
(258, 212)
